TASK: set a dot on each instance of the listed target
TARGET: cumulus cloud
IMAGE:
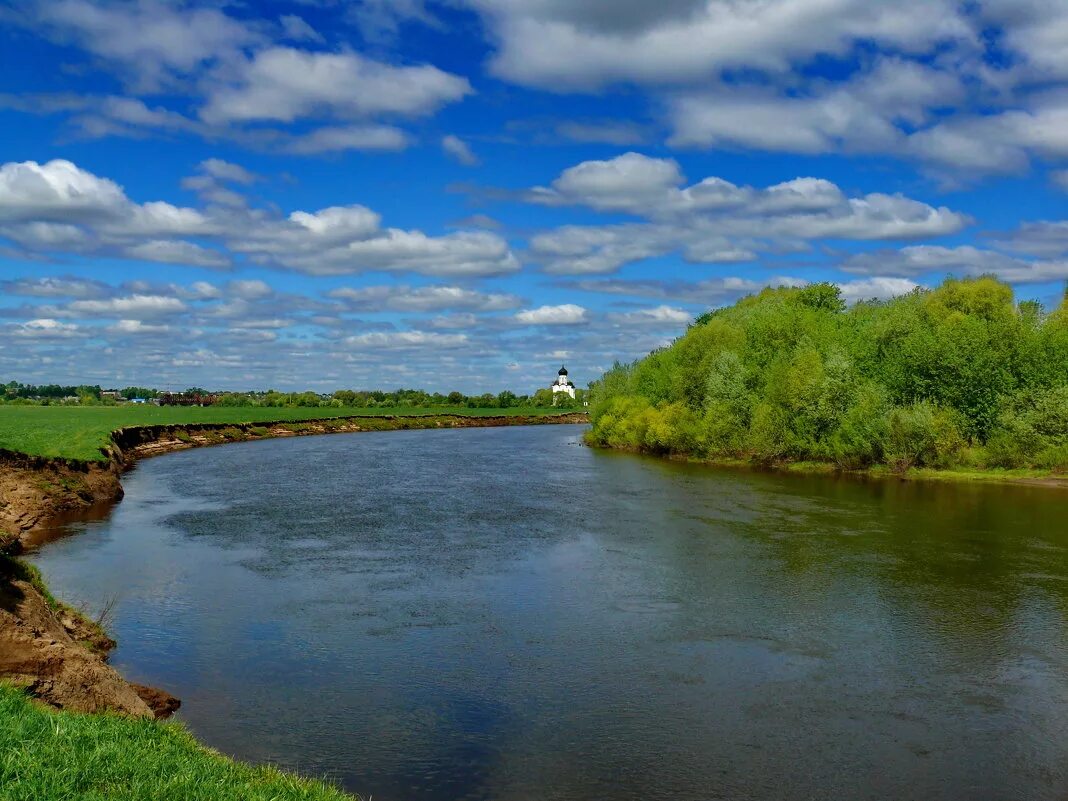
(150, 42)
(565, 314)
(178, 252)
(57, 191)
(558, 45)
(1041, 238)
(713, 221)
(878, 288)
(45, 328)
(250, 289)
(866, 113)
(138, 327)
(665, 316)
(134, 307)
(406, 340)
(285, 84)
(965, 260)
(342, 241)
(59, 207)
(221, 75)
(707, 292)
(398, 297)
(57, 287)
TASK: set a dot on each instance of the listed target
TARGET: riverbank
(54, 653)
(38, 491)
(1027, 476)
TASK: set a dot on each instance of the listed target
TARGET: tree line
(49, 394)
(957, 376)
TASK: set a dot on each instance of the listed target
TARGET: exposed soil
(54, 652)
(39, 653)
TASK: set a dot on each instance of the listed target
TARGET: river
(505, 614)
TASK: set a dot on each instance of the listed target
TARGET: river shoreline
(55, 652)
(1025, 477)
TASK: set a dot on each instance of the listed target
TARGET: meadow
(80, 432)
(47, 755)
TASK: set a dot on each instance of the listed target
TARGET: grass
(79, 432)
(55, 756)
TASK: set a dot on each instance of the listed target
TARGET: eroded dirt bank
(52, 650)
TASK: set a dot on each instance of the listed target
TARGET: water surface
(505, 614)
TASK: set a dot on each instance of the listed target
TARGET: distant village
(561, 393)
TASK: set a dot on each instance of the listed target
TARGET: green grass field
(79, 432)
(48, 756)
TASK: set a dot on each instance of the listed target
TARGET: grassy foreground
(79, 432)
(48, 756)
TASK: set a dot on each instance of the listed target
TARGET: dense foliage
(956, 376)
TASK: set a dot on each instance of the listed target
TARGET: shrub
(921, 435)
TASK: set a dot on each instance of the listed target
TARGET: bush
(921, 435)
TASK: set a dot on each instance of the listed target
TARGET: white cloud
(878, 288)
(669, 316)
(150, 42)
(713, 221)
(177, 252)
(58, 207)
(864, 113)
(285, 84)
(566, 45)
(49, 287)
(407, 340)
(138, 327)
(336, 139)
(566, 314)
(708, 292)
(399, 297)
(458, 150)
(56, 191)
(1042, 238)
(963, 260)
(249, 289)
(46, 328)
(804, 207)
(226, 171)
(134, 307)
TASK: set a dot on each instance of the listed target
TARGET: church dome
(563, 370)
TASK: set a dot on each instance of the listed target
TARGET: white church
(563, 383)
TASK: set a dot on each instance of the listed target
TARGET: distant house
(563, 384)
(183, 399)
(111, 394)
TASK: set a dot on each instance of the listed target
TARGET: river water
(506, 614)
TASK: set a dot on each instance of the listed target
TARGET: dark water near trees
(503, 614)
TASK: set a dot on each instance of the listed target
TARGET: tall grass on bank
(60, 756)
(956, 377)
(74, 432)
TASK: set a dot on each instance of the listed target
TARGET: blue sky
(465, 193)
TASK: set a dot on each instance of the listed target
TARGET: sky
(464, 194)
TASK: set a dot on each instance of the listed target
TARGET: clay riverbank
(54, 651)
